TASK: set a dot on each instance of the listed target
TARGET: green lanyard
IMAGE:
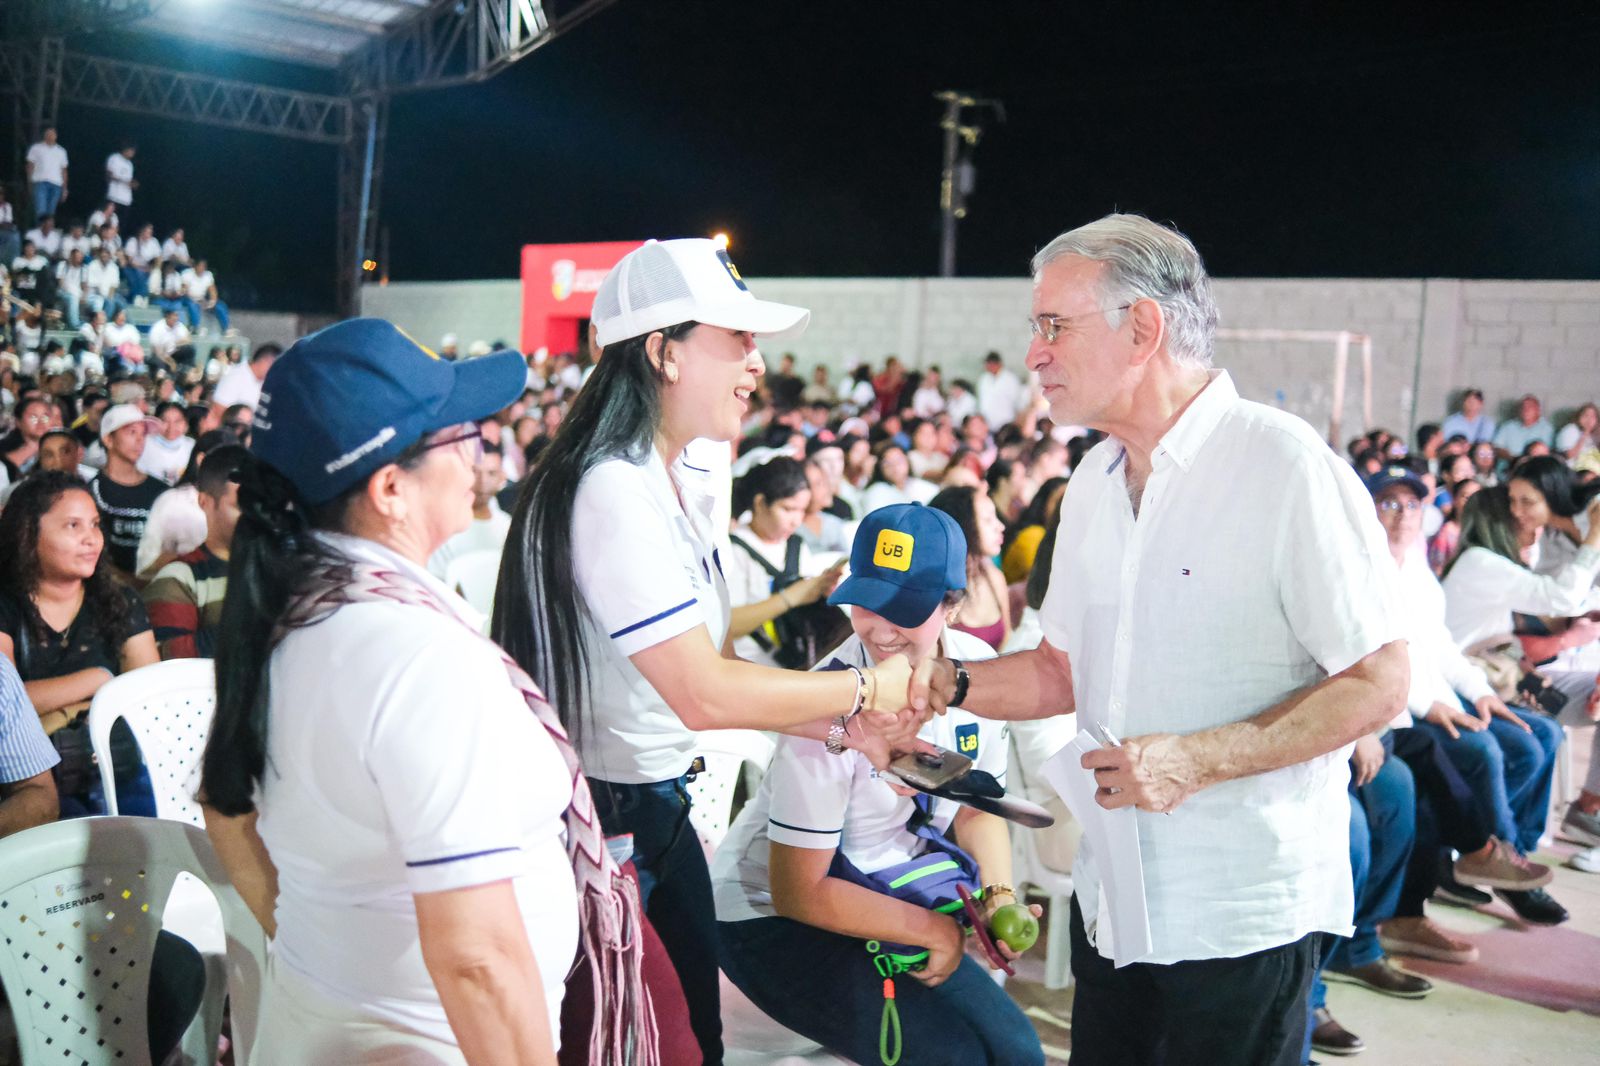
(889, 1027)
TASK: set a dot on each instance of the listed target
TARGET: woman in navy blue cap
(422, 848)
(611, 592)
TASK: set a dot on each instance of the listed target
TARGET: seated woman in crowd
(1489, 580)
(1442, 545)
(798, 929)
(771, 573)
(892, 480)
(70, 627)
(822, 529)
(986, 612)
(1022, 540)
(391, 796)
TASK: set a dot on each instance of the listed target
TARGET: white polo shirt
(197, 283)
(49, 244)
(175, 251)
(1256, 569)
(49, 162)
(811, 799)
(119, 179)
(401, 760)
(165, 339)
(648, 570)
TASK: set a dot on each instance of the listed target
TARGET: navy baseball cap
(347, 399)
(904, 559)
(1397, 474)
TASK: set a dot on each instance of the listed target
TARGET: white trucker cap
(664, 283)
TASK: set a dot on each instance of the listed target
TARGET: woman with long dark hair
(1484, 584)
(611, 592)
(389, 792)
(68, 624)
(986, 613)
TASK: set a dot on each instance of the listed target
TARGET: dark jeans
(1383, 816)
(823, 985)
(1509, 771)
(1249, 1011)
(675, 889)
(1448, 815)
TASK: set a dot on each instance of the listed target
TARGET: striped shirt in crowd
(24, 749)
(185, 604)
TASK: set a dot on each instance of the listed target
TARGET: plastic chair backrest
(81, 903)
(169, 707)
(475, 575)
(726, 751)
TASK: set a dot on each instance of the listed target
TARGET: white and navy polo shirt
(811, 799)
(649, 570)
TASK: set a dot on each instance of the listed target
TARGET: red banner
(558, 287)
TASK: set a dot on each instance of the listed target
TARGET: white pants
(301, 1027)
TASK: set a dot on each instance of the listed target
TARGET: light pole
(959, 175)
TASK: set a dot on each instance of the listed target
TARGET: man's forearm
(1022, 686)
(1312, 722)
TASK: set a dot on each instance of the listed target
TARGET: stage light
(369, 265)
(720, 239)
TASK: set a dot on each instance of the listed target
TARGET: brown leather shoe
(1383, 976)
(1331, 1038)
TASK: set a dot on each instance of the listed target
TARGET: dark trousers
(1245, 1011)
(675, 889)
(824, 986)
(1448, 814)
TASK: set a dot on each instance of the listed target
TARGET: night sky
(1310, 141)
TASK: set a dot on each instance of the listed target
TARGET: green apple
(1015, 924)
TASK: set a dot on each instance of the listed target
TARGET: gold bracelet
(998, 889)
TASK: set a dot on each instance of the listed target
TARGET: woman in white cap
(391, 795)
(611, 592)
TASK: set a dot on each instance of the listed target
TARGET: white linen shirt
(811, 799)
(1254, 570)
(1438, 668)
(1481, 589)
(402, 760)
(648, 570)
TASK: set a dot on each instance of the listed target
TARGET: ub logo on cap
(894, 550)
(733, 271)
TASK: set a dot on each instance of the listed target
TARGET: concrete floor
(1533, 997)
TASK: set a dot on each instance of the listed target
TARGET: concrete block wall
(1431, 338)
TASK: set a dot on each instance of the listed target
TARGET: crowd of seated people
(119, 508)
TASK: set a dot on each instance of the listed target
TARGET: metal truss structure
(380, 48)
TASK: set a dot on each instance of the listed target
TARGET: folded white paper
(1113, 838)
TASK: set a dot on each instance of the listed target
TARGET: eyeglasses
(1049, 326)
(1394, 506)
(473, 453)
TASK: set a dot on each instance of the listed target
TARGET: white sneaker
(1588, 861)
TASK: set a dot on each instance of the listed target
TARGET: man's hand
(1154, 772)
(1453, 720)
(881, 737)
(1491, 707)
(1366, 760)
(933, 683)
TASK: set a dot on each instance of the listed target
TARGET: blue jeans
(46, 198)
(71, 308)
(1509, 771)
(1383, 815)
(138, 281)
(674, 889)
(194, 313)
(823, 985)
(109, 304)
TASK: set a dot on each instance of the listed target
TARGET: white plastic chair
(81, 902)
(169, 706)
(1028, 869)
(475, 575)
(729, 754)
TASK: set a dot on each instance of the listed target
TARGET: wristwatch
(959, 696)
(836, 735)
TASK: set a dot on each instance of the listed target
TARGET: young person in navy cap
(611, 594)
(794, 928)
(422, 848)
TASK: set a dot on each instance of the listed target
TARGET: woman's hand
(814, 589)
(990, 905)
(944, 955)
(1367, 760)
(889, 685)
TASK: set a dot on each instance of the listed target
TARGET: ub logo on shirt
(967, 739)
(894, 550)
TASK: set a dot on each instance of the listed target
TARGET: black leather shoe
(1449, 890)
(1535, 906)
(1331, 1038)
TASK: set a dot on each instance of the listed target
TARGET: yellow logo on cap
(894, 550)
(429, 352)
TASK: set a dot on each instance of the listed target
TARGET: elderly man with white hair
(1219, 599)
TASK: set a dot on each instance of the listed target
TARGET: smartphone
(924, 771)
